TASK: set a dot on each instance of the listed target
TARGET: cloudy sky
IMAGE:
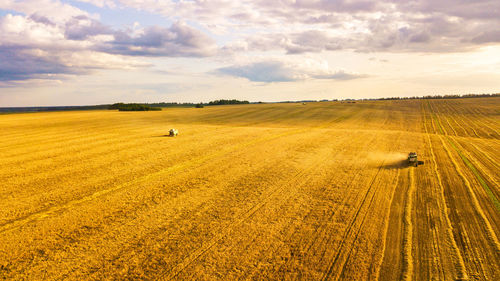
(55, 52)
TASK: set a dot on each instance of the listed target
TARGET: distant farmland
(320, 191)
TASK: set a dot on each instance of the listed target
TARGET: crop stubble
(271, 191)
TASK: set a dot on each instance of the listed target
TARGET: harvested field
(263, 191)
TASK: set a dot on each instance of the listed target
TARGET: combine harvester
(173, 132)
(412, 159)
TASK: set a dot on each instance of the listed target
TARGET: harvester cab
(173, 132)
(413, 159)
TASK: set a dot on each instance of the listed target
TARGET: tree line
(133, 107)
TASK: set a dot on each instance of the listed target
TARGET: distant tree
(223, 102)
(133, 107)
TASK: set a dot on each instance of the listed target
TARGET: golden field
(263, 192)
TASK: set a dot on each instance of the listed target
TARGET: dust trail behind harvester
(389, 160)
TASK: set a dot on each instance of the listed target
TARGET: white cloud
(54, 10)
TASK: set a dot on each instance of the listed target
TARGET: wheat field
(287, 191)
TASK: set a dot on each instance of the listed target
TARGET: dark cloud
(467, 9)
(18, 64)
(180, 40)
(487, 37)
(82, 27)
(41, 19)
(338, 6)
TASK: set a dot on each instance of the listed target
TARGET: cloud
(261, 72)
(82, 27)
(492, 36)
(281, 71)
(33, 47)
(180, 40)
(22, 65)
(39, 45)
(309, 26)
(54, 10)
(100, 3)
(57, 35)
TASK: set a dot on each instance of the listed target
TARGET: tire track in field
(386, 230)
(364, 218)
(486, 155)
(471, 158)
(351, 224)
(344, 201)
(302, 176)
(484, 121)
(408, 269)
(460, 264)
(473, 165)
(490, 232)
(463, 149)
(459, 116)
(359, 230)
(14, 224)
(453, 112)
(476, 164)
(468, 163)
(475, 201)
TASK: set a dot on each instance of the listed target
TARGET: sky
(82, 52)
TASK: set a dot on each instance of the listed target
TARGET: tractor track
(359, 230)
(471, 253)
(492, 161)
(386, 230)
(477, 205)
(473, 164)
(459, 265)
(329, 271)
(408, 269)
(364, 218)
(470, 166)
